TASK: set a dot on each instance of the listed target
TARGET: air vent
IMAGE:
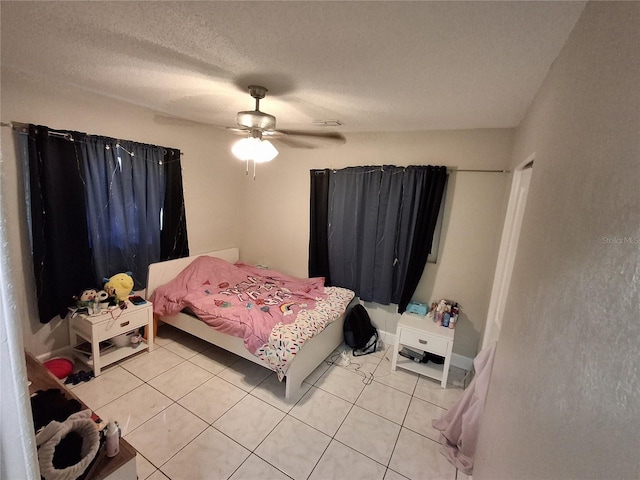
(328, 123)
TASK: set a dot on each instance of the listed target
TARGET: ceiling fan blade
(292, 142)
(329, 137)
(303, 139)
(185, 122)
(176, 121)
(237, 130)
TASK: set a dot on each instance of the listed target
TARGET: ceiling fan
(258, 128)
(261, 125)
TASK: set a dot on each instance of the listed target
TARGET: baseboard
(457, 360)
(60, 352)
(387, 338)
(460, 361)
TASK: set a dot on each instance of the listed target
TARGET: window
(435, 244)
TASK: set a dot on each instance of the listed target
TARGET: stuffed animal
(88, 298)
(88, 295)
(120, 285)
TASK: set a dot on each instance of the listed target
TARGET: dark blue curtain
(319, 224)
(60, 247)
(99, 206)
(423, 192)
(125, 196)
(174, 242)
(363, 205)
(380, 225)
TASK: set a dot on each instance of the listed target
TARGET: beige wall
(564, 399)
(274, 209)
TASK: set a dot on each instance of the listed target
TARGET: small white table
(423, 334)
(108, 324)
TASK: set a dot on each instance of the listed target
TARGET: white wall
(564, 399)
(276, 227)
(210, 175)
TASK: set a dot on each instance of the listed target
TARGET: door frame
(507, 252)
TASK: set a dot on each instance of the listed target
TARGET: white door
(507, 252)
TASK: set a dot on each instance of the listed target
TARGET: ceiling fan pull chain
(254, 171)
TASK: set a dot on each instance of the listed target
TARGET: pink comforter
(238, 299)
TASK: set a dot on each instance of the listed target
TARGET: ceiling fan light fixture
(266, 152)
(254, 148)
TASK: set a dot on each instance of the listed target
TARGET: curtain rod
(66, 136)
(15, 125)
(455, 170)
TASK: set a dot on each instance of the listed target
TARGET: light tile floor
(194, 411)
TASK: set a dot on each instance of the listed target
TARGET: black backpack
(359, 332)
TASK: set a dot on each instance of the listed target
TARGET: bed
(308, 355)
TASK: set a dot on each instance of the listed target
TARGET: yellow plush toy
(120, 285)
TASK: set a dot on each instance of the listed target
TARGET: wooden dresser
(120, 467)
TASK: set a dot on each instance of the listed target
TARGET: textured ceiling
(375, 66)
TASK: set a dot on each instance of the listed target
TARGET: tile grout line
(287, 413)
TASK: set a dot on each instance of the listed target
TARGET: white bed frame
(313, 353)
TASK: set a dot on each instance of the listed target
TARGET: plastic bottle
(112, 439)
(454, 316)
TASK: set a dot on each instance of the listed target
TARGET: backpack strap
(370, 347)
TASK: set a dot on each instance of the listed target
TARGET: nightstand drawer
(423, 341)
(121, 324)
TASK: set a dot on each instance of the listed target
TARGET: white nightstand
(421, 333)
(108, 324)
